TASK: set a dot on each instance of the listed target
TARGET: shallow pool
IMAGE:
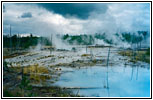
(123, 81)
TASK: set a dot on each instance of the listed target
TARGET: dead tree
(107, 69)
(124, 54)
(18, 41)
(132, 47)
(86, 49)
(10, 41)
(51, 44)
(91, 54)
(107, 65)
(41, 42)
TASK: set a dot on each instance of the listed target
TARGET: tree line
(17, 42)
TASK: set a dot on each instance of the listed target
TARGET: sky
(75, 18)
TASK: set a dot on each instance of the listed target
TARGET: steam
(38, 47)
(100, 42)
(59, 44)
(118, 18)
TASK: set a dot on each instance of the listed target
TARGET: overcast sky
(75, 18)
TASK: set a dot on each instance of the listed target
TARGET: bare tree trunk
(10, 41)
(133, 55)
(86, 49)
(91, 54)
(51, 44)
(107, 66)
(124, 54)
(41, 42)
(140, 45)
(77, 92)
(18, 42)
(107, 70)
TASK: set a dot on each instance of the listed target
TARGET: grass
(35, 69)
(139, 55)
(14, 55)
(37, 73)
(37, 78)
(84, 55)
(11, 93)
(25, 89)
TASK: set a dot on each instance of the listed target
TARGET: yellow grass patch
(39, 77)
(139, 56)
(37, 73)
(83, 55)
(35, 69)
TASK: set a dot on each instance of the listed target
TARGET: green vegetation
(24, 42)
(79, 39)
(131, 38)
(148, 51)
(103, 37)
(85, 39)
(90, 39)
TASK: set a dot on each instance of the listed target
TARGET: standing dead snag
(77, 92)
(10, 41)
(51, 44)
(91, 54)
(124, 54)
(18, 42)
(107, 69)
(41, 43)
(86, 48)
(22, 81)
(107, 64)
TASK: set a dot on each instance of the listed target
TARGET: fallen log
(55, 87)
(81, 87)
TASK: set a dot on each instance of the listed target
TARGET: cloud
(126, 17)
(26, 15)
(77, 18)
(79, 10)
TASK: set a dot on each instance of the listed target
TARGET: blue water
(122, 81)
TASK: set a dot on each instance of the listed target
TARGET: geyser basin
(124, 81)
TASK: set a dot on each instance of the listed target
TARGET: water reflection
(123, 81)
